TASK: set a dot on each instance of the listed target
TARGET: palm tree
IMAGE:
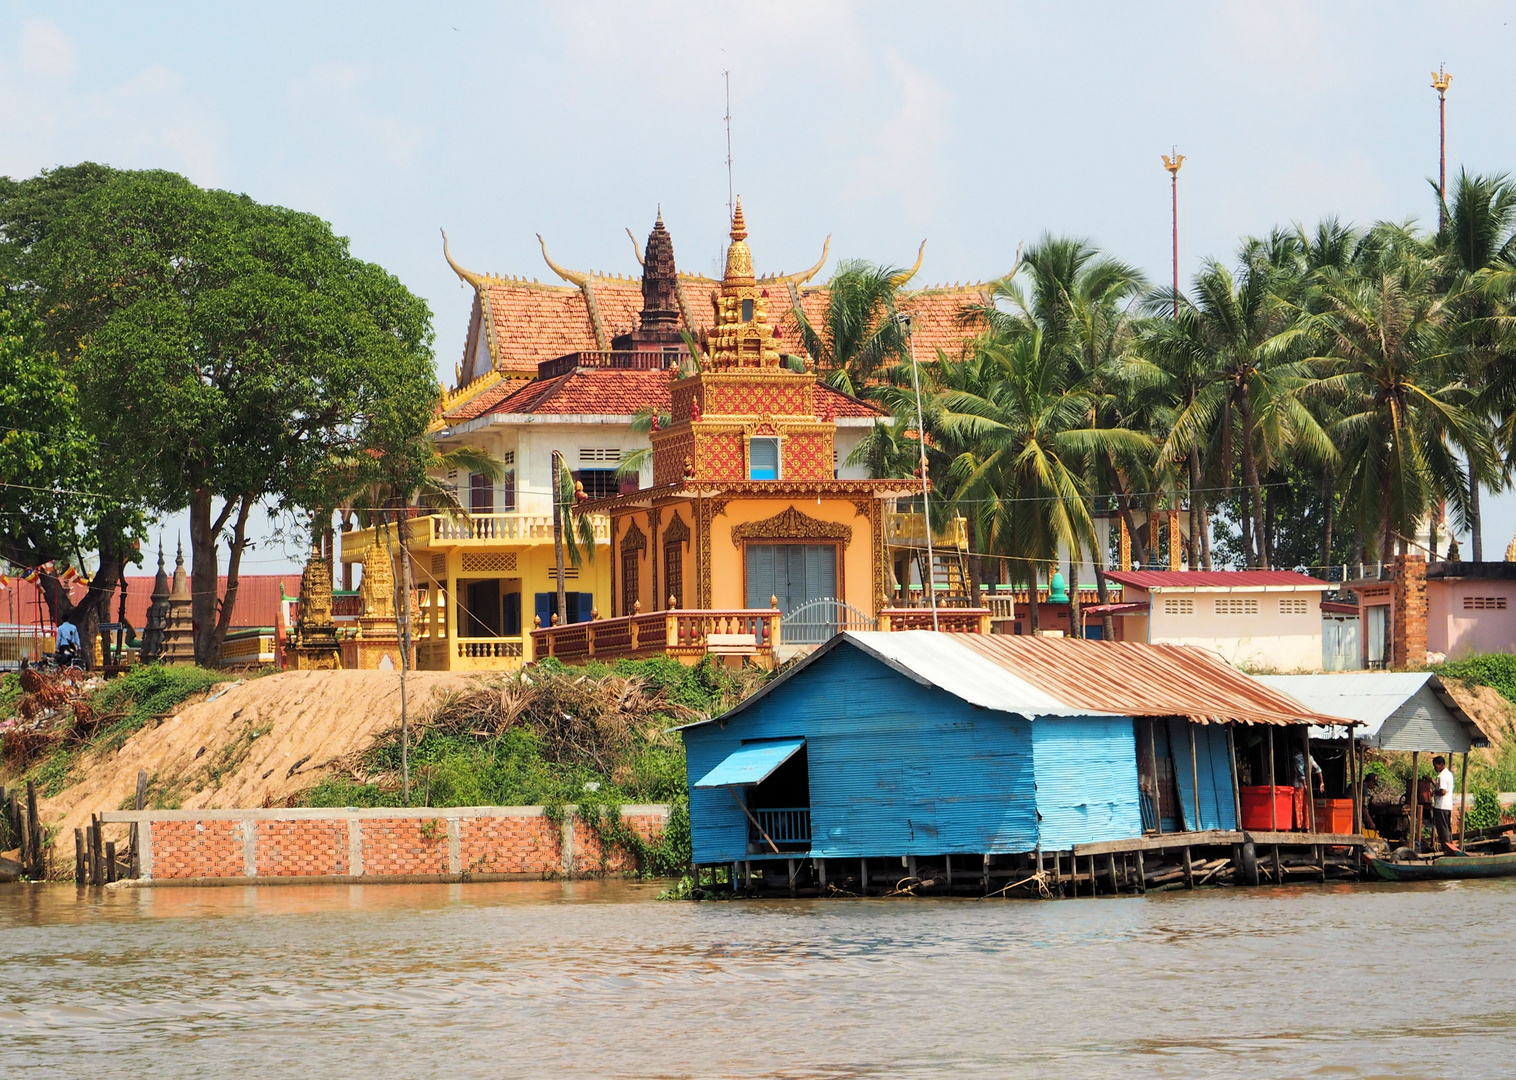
(1407, 412)
(1015, 420)
(1478, 244)
(859, 333)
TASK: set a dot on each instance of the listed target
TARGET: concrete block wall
(479, 843)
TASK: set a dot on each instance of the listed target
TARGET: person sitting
(67, 643)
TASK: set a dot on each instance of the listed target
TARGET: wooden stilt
(1463, 798)
(947, 868)
(81, 876)
(863, 877)
(1356, 772)
(1157, 800)
(1231, 753)
(1278, 868)
(790, 866)
(1142, 874)
(96, 852)
(1189, 869)
(1195, 776)
(984, 876)
(110, 861)
(1273, 796)
(821, 874)
(910, 865)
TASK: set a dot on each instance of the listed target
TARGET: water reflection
(601, 979)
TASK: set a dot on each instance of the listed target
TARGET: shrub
(1485, 813)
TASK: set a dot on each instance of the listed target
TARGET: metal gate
(817, 621)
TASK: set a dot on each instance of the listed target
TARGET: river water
(586, 979)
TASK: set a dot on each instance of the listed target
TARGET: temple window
(508, 491)
(673, 571)
(747, 311)
(763, 459)
(629, 584)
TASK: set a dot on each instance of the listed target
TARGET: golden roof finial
(898, 280)
(1440, 80)
(571, 276)
(804, 275)
(1172, 163)
(468, 276)
(636, 248)
(739, 259)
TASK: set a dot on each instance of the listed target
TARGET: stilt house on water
(969, 760)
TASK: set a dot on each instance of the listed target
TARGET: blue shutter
(586, 605)
(545, 602)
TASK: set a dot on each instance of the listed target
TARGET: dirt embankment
(252, 745)
(1490, 710)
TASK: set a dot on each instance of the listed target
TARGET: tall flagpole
(1172, 164)
(1440, 81)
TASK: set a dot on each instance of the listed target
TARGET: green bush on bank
(1495, 770)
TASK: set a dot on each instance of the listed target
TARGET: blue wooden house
(917, 745)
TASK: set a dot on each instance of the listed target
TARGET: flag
(5, 582)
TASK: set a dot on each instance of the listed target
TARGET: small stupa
(179, 619)
(315, 646)
(377, 644)
(157, 612)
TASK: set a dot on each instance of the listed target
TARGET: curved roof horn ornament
(636, 249)
(804, 275)
(571, 276)
(899, 280)
(467, 276)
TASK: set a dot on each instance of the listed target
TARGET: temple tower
(157, 612)
(315, 645)
(377, 644)
(178, 622)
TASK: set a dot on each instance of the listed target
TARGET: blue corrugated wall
(1213, 763)
(1086, 780)
(896, 768)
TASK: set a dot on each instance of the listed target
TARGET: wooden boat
(1444, 867)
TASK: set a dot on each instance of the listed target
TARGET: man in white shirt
(1442, 803)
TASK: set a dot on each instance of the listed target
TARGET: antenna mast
(730, 199)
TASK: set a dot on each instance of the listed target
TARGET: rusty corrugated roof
(1217, 579)
(1135, 679)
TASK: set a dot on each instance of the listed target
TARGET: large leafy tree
(225, 351)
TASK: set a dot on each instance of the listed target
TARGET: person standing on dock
(1442, 804)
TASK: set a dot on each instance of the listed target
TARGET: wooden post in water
(96, 852)
(132, 842)
(81, 875)
(1413, 816)
(1463, 798)
(38, 869)
(110, 861)
(1142, 874)
(1189, 869)
(1356, 771)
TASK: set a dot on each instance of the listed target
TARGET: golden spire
(739, 260)
(1441, 80)
(1172, 163)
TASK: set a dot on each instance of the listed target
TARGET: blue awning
(753, 764)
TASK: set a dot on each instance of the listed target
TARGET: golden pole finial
(739, 224)
(1172, 163)
(1440, 80)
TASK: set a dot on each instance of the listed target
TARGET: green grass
(1497, 671)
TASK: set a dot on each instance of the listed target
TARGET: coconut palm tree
(1477, 243)
(859, 334)
(1407, 411)
(1015, 421)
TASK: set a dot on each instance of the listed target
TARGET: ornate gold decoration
(573, 277)
(677, 532)
(880, 555)
(742, 336)
(377, 589)
(791, 280)
(467, 276)
(634, 540)
(1172, 163)
(792, 524)
(1441, 80)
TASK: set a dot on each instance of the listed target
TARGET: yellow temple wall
(855, 563)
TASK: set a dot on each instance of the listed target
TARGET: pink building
(1471, 608)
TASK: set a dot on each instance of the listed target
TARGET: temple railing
(470, 530)
(909, 530)
(625, 359)
(948, 620)
(684, 634)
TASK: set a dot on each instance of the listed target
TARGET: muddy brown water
(587, 979)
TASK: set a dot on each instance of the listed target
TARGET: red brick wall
(588, 851)
(1408, 628)
(301, 848)
(183, 849)
(401, 846)
(509, 845)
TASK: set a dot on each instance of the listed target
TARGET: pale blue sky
(975, 126)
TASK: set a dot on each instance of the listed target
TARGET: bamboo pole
(1231, 749)
(1463, 799)
(1273, 797)
(1157, 799)
(1310, 793)
(1414, 817)
(1194, 773)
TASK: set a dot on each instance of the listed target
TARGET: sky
(975, 127)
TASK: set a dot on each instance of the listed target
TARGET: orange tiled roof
(609, 392)
(532, 323)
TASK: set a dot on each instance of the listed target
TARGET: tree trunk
(558, 538)
(205, 532)
(1269, 521)
(1476, 533)
(1250, 478)
(1328, 501)
(1033, 606)
(90, 612)
(1103, 591)
(1245, 523)
(974, 571)
(233, 567)
(1195, 499)
(1076, 622)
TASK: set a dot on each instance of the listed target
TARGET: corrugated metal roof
(1035, 677)
(1130, 678)
(750, 765)
(1217, 579)
(1399, 710)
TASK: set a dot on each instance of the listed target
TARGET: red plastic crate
(1334, 816)
(1255, 808)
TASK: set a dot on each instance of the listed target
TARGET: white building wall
(1250, 629)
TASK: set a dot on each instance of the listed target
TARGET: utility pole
(730, 198)
(926, 509)
(1172, 164)
(1440, 81)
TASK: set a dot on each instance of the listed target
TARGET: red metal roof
(257, 600)
(1214, 579)
(610, 392)
(1133, 679)
(1121, 607)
